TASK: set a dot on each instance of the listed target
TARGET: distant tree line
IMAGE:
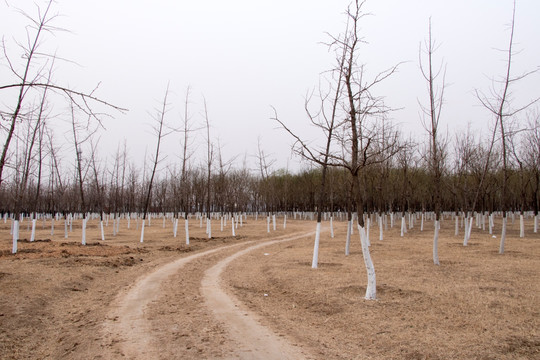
(402, 183)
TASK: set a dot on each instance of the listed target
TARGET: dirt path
(255, 341)
(141, 314)
(127, 326)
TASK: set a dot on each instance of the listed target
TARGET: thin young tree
(500, 105)
(433, 112)
(187, 130)
(325, 119)
(532, 156)
(209, 162)
(266, 189)
(99, 189)
(160, 130)
(518, 153)
(81, 134)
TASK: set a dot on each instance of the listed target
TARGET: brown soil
(60, 299)
(476, 305)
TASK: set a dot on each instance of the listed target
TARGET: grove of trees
(366, 165)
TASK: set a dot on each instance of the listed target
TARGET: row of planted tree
(360, 163)
(388, 188)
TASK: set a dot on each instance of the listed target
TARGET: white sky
(244, 56)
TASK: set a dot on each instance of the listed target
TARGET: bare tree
(160, 131)
(360, 131)
(433, 111)
(325, 119)
(500, 106)
(81, 164)
(532, 156)
(187, 130)
(518, 153)
(27, 79)
(99, 189)
(209, 162)
(265, 186)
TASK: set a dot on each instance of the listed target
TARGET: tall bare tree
(500, 105)
(532, 144)
(82, 132)
(32, 75)
(433, 112)
(209, 162)
(360, 131)
(160, 130)
(325, 118)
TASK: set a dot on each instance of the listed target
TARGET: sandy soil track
(132, 331)
(255, 341)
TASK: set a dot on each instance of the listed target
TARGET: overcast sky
(246, 56)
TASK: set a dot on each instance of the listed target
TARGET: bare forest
(427, 200)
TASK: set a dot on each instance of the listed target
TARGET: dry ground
(56, 295)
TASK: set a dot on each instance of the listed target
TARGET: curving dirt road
(152, 319)
(255, 341)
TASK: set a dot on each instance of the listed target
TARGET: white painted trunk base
(315, 261)
(83, 240)
(521, 226)
(367, 232)
(15, 231)
(142, 230)
(186, 224)
(380, 228)
(348, 241)
(102, 231)
(436, 243)
(33, 234)
(503, 236)
(371, 289)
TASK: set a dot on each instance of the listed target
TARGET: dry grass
(476, 304)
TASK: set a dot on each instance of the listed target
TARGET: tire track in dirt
(254, 340)
(128, 332)
(127, 329)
